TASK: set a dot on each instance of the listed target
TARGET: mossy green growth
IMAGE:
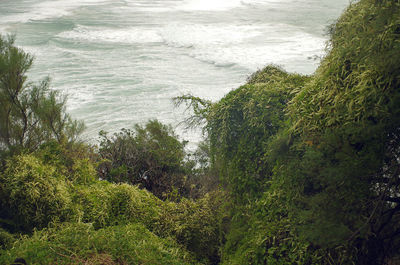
(78, 243)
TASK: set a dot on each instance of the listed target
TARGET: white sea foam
(125, 35)
(221, 5)
(248, 46)
(155, 6)
(49, 9)
(200, 35)
(216, 5)
(254, 57)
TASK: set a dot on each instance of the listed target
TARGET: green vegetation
(294, 169)
(150, 156)
(30, 114)
(311, 163)
(99, 221)
(241, 125)
(32, 194)
(78, 243)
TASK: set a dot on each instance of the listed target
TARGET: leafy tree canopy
(150, 156)
(30, 114)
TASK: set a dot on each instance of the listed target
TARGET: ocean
(122, 61)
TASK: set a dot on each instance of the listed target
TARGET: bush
(241, 125)
(78, 243)
(149, 156)
(261, 232)
(195, 224)
(33, 195)
(104, 204)
(343, 168)
(74, 160)
(6, 239)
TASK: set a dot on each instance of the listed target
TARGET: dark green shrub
(6, 239)
(150, 156)
(343, 166)
(195, 224)
(261, 232)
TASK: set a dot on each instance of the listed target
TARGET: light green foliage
(194, 224)
(104, 204)
(74, 160)
(83, 171)
(32, 193)
(30, 114)
(358, 81)
(78, 243)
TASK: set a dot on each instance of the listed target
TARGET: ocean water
(122, 61)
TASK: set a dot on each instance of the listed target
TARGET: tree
(344, 167)
(241, 125)
(30, 114)
(150, 156)
(328, 146)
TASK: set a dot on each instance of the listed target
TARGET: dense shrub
(329, 142)
(6, 239)
(195, 224)
(104, 204)
(35, 194)
(241, 124)
(76, 161)
(261, 232)
(32, 194)
(343, 166)
(78, 243)
(150, 156)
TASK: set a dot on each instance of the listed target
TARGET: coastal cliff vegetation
(294, 169)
